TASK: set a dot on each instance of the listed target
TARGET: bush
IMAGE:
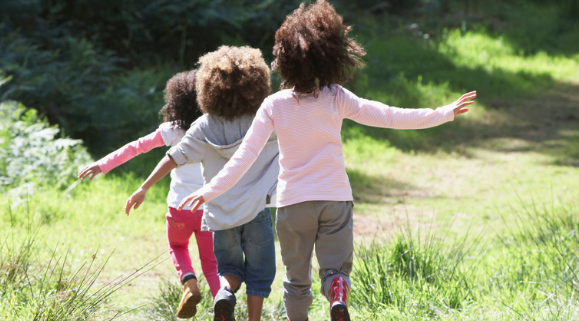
(31, 156)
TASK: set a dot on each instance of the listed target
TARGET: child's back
(212, 140)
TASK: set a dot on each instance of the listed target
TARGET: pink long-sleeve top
(130, 150)
(185, 180)
(310, 146)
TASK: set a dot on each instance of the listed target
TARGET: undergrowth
(54, 289)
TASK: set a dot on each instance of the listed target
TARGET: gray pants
(329, 226)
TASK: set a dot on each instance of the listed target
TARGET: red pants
(180, 226)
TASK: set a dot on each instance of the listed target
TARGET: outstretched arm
(163, 168)
(373, 113)
(122, 155)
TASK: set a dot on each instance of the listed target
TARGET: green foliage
(149, 32)
(535, 26)
(82, 89)
(31, 156)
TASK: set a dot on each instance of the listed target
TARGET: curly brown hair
(232, 81)
(313, 45)
(181, 100)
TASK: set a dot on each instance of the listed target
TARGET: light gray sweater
(211, 141)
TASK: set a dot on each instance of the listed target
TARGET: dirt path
(517, 148)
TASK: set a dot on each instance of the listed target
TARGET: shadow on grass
(372, 189)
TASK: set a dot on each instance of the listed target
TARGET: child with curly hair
(313, 56)
(232, 83)
(179, 112)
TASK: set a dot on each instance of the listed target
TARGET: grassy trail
(512, 154)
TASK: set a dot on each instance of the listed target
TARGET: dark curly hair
(181, 100)
(232, 81)
(313, 45)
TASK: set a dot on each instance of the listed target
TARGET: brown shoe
(191, 297)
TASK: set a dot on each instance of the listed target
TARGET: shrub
(31, 156)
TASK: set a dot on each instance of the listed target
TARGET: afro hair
(232, 82)
(313, 50)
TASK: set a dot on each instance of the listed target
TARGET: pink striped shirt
(310, 146)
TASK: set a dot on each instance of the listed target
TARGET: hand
(193, 200)
(136, 199)
(465, 100)
(92, 169)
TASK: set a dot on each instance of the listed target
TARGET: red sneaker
(339, 299)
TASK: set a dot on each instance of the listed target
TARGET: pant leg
(259, 249)
(180, 226)
(229, 252)
(205, 247)
(335, 242)
(296, 227)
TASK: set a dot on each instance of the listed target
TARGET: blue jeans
(248, 252)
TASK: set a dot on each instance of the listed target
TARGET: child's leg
(229, 254)
(254, 307)
(230, 265)
(297, 228)
(335, 250)
(335, 243)
(180, 226)
(208, 261)
(232, 282)
(259, 248)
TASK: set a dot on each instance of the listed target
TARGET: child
(313, 57)
(232, 83)
(179, 112)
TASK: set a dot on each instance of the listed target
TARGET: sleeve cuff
(177, 156)
(448, 113)
(207, 195)
(104, 168)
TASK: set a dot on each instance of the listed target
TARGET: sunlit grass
(480, 50)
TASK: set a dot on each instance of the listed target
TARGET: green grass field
(473, 220)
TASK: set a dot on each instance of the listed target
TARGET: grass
(54, 288)
(529, 272)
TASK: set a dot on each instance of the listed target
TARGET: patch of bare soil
(400, 217)
(547, 125)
